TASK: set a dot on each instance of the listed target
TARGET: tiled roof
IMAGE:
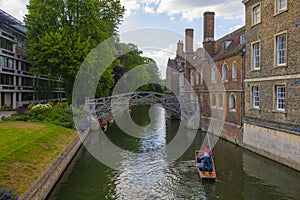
(173, 64)
(234, 47)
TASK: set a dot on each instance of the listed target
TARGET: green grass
(27, 149)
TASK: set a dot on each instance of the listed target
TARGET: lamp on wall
(296, 24)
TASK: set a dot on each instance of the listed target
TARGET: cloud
(160, 56)
(187, 9)
(16, 8)
(130, 6)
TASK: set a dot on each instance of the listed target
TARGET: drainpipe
(243, 88)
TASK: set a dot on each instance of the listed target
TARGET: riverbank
(27, 149)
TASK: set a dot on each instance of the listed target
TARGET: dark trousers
(206, 163)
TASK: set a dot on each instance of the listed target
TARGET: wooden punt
(205, 175)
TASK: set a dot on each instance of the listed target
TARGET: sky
(164, 21)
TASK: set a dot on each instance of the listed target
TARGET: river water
(147, 174)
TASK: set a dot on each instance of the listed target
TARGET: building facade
(272, 79)
(215, 72)
(17, 86)
(221, 92)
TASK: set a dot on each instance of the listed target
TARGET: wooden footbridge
(188, 109)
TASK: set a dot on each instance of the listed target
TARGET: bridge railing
(100, 107)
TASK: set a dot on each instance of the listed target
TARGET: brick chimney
(209, 32)
(189, 40)
(189, 51)
(179, 52)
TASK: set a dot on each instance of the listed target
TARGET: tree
(139, 68)
(61, 33)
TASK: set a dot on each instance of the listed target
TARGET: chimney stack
(179, 52)
(209, 32)
(189, 40)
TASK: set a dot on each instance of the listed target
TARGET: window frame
(220, 101)
(254, 61)
(213, 101)
(255, 98)
(283, 50)
(234, 71)
(197, 78)
(225, 72)
(277, 98)
(242, 39)
(278, 8)
(232, 98)
(213, 74)
(256, 16)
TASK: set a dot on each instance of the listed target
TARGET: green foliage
(145, 69)
(59, 114)
(61, 33)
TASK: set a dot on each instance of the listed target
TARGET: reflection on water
(147, 174)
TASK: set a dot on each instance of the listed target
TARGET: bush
(59, 115)
(21, 111)
(50, 103)
(30, 106)
(7, 194)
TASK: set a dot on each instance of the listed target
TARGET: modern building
(17, 86)
(272, 79)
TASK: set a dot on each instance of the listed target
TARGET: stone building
(215, 72)
(17, 86)
(220, 87)
(272, 79)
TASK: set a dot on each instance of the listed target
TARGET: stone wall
(274, 144)
(46, 181)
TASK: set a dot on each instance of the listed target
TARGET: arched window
(181, 79)
(192, 78)
(225, 72)
(201, 76)
(234, 70)
(213, 100)
(197, 78)
(220, 99)
(232, 100)
(213, 74)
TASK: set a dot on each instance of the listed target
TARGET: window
(256, 56)
(256, 14)
(10, 63)
(1, 61)
(255, 95)
(280, 96)
(224, 72)
(5, 44)
(6, 62)
(234, 70)
(281, 50)
(281, 5)
(220, 99)
(181, 79)
(201, 77)
(192, 78)
(6, 79)
(213, 74)
(232, 101)
(197, 78)
(213, 100)
(226, 44)
(242, 39)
